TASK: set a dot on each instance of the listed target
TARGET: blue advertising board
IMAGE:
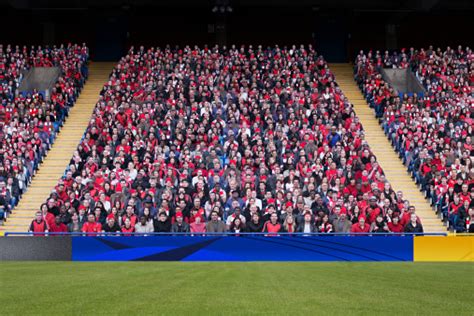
(243, 248)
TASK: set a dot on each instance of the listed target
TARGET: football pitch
(242, 288)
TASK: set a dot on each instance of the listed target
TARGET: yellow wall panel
(439, 248)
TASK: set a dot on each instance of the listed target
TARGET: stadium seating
(433, 134)
(29, 120)
(222, 139)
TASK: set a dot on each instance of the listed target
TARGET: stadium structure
(281, 156)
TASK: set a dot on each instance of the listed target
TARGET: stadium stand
(432, 133)
(394, 170)
(30, 121)
(216, 139)
(52, 167)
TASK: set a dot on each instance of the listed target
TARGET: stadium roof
(371, 5)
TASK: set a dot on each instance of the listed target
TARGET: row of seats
(29, 121)
(225, 136)
(434, 133)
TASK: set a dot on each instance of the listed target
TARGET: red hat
(168, 180)
(179, 214)
(289, 203)
(271, 201)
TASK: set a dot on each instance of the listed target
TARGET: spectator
(413, 226)
(57, 226)
(360, 227)
(379, 225)
(162, 224)
(289, 224)
(272, 226)
(236, 214)
(75, 226)
(237, 226)
(307, 225)
(111, 226)
(197, 226)
(325, 226)
(38, 226)
(255, 225)
(470, 221)
(394, 226)
(342, 224)
(127, 228)
(180, 226)
(91, 227)
(215, 225)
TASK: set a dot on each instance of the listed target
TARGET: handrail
(219, 234)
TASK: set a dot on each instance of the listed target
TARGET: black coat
(471, 228)
(115, 228)
(162, 227)
(251, 227)
(409, 228)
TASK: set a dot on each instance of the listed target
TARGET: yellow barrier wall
(439, 248)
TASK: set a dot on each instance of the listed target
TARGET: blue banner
(243, 248)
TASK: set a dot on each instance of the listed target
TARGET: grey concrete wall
(35, 248)
(40, 78)
(403, 80)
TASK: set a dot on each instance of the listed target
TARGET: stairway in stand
(389, 160)
(58, 157)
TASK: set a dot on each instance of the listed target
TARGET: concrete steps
(393, 167)
(58, 157)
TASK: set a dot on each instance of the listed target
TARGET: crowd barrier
(241, 247)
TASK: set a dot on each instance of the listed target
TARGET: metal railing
(101, 234)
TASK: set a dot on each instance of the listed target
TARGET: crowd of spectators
(220, 139)
(29, 121)
(433, 133)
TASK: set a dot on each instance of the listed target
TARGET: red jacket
(271, 228)
(357, 229)
(128, 231)
(54, 228)
(91, 228)
(49, 218)
(395, 228)
(40, 227)
(372, 213)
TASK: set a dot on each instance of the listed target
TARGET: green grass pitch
(256, 288)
